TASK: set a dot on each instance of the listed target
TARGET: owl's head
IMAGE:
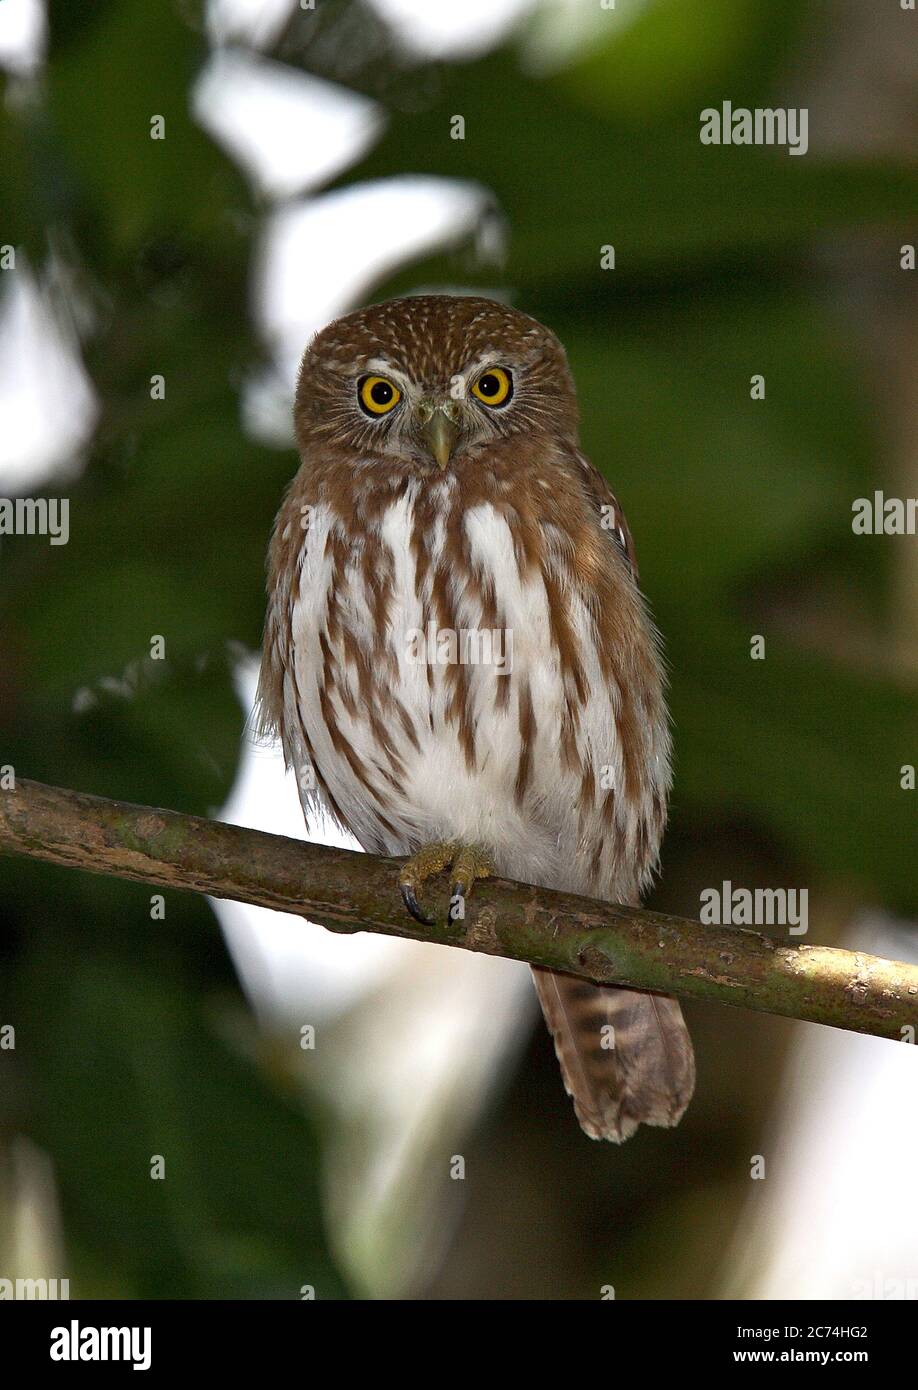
(432, 379)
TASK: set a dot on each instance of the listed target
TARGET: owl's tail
(626, 1055)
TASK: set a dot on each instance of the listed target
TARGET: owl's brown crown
(431, 337)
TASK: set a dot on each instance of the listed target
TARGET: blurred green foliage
(132, 1037)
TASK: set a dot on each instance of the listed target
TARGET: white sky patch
(836, 1217)
(411, 1078)
(47, 402)
(23, 35)
(319, 257)
(455, 30)
(289, 131)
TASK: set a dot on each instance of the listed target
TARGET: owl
(457, 656)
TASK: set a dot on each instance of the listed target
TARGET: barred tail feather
(640, 1072)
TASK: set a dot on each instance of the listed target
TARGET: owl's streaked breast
(433, 687)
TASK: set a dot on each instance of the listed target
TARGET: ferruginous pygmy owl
(457, 655)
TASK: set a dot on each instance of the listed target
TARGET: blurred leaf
(702, 469)
(115, 73)
(650, 60)
(811, 751)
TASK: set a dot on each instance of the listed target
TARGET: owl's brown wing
(647, 1075)
(611, 517)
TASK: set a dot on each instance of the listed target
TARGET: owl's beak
(439, 430)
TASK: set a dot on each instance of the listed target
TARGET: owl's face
(430, 380)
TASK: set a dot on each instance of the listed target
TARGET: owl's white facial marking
(461, 383)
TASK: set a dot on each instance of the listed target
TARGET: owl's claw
(468, 863)
(409, 898)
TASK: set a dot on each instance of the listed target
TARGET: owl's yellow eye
(378, 395)
(494, 387)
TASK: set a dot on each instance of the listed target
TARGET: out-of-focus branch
(350, 892)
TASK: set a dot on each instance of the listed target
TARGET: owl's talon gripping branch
(467, 862)
(430, 859)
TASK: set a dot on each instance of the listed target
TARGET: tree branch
(349, 892)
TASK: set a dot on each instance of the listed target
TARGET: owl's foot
(468, 863)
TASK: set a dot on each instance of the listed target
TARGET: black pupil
(489, 385)
(381, 393)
